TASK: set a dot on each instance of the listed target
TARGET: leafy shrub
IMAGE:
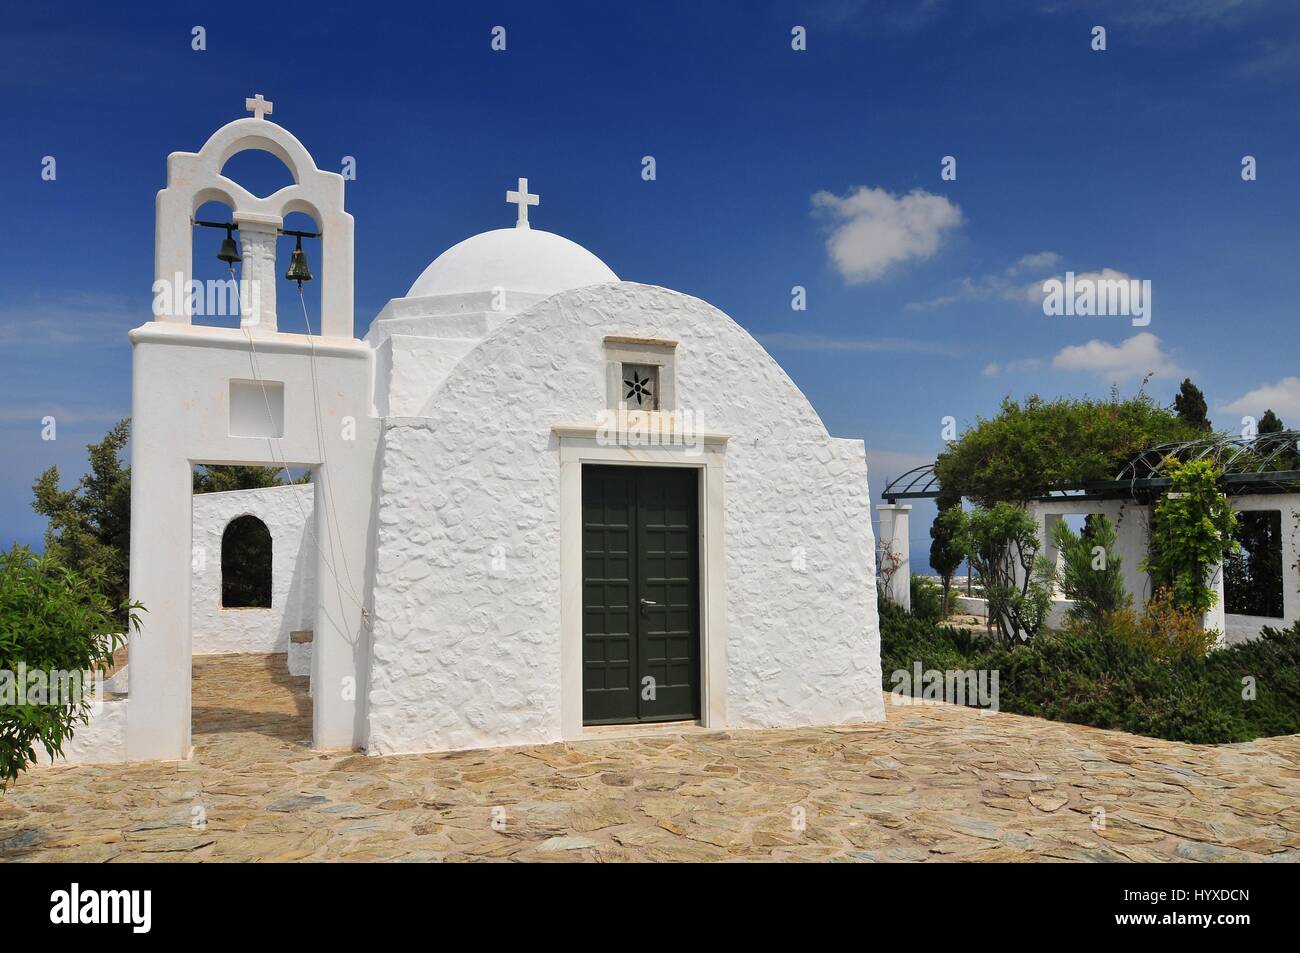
(1002, 545)
(52, 619)
(906, 639)
(1191, 533)
(1164, 631)
(1035, 446)
(89, 526)
(1098, 678)
(928, 600)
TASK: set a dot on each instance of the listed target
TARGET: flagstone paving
(933, 783)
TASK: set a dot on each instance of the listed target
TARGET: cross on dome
(523, 199)
(259, 107)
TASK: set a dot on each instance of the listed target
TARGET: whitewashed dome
(518, 259)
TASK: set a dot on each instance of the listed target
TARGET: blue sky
(775, 168)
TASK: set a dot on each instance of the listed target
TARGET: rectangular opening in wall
(256, 408)
(1252, 579)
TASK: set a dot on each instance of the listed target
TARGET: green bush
(1095, 678)
(1034, 446)
(52, 619)
(1090, 571)
(927, 600)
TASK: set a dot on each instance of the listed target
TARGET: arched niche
(246, 564)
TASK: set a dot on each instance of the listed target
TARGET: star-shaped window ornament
(640, 389)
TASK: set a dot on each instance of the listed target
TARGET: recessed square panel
(256, 408)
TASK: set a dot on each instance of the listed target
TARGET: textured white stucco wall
(466, 615)
(101, 741)
(287, 513)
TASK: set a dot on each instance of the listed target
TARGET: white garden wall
(1132, 542)
(287, 512)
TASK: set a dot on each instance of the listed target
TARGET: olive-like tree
(1002, 545)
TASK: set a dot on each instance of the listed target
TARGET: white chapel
(542, 499)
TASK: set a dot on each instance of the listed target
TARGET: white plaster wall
(102, 741)
(1132, 523)
(287, 512)
(416, 367)
(1133, 541)
(468, 655)
(181, 415)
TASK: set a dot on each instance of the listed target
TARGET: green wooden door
(641, 603)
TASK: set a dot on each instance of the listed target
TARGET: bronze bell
(298, 270)
(229, 252)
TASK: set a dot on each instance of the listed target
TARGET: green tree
(89, 529)
(946, 553)
(1002, 545)
(1190, 406)
(57, 621)
(1090, 571)
(1270, 423)
(219, 478)
(89, 526)
(1191, 533)
(1035, 446)
(1266, 443)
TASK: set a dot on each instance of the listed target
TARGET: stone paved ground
(933, 783)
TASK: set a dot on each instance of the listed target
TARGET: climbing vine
(1191, 534)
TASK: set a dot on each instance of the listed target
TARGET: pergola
(1249, 465)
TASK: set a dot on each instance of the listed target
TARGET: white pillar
(1216, 618)
(894, 539)
(158, 670)
(257, 236)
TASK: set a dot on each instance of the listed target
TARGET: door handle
(648, 602)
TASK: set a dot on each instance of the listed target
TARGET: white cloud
(1012, 367)
(1035, 294)
(1136, 357)
(876, 230)
(1006, 285)
(1283, 398)
(1035, 262)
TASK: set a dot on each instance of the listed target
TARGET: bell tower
(251, 396)
(196, 178)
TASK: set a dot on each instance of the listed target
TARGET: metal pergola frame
(1246, 463)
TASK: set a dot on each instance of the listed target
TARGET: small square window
(640, 390)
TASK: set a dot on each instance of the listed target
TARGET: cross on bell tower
(259, 107)
(523, 199)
